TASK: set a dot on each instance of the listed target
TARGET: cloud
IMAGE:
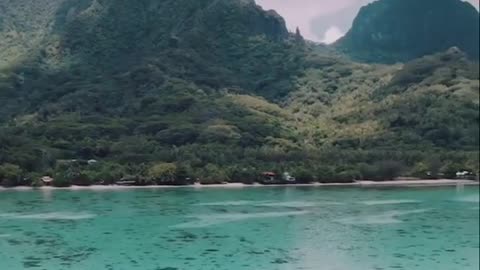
(336, 24)
(332, 34)
(301, 14)
(475, 3)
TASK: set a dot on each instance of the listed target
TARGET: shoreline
(359, 184)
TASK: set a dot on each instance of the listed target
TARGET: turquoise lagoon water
(285, 228)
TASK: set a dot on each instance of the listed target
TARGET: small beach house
(268, 177)
(46, 180)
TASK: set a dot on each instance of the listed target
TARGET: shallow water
(252, 228)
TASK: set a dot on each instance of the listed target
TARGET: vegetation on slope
(391, 31)
(170, 91)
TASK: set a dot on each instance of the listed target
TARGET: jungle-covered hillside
(93, 91)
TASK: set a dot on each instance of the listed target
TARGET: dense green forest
(174, 91)
(393, 31)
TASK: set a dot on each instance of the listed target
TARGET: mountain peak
(105, 28)
(390, 31)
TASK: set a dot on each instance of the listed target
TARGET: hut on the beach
(46, 180)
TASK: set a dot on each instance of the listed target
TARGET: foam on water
(292, 204)
(470, 198)
(289, 204)
(50, 216)
(390, 217)
(369, 220)
(160, 229)
(230, 203)
(384, 202)
(215, 219)
(298, 204)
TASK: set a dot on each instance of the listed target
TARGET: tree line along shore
(66, 173)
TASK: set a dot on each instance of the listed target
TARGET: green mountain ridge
(390, 31)
(217, 90)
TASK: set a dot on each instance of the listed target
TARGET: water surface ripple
(271, 228)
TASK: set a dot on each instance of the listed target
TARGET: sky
(320, 20)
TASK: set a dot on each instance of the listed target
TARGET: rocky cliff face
(391, 31)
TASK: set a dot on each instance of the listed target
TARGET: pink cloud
(301, 14)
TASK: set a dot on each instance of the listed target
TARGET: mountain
(217, 90)
(185, 35)
(390, 31)
(125, 81)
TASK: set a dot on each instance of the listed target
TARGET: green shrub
(420, 170)
(163, 173)
(242, 175)
(303, 175)
(109, 173)
(169, 174)
(381, 171)
(83, 178)
(325, 174)
(36, 182)
(212, 174)
(61, 182)
(10, 175)
(450, 170)
(347, 176)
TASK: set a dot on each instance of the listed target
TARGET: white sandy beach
(361, 184)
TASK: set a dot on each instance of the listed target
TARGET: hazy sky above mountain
(320, 20)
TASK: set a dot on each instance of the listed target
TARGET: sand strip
(362, 184)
